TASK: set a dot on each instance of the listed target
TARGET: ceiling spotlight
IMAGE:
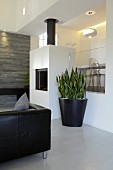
(24, 11)
(90, 32)
(90, 13)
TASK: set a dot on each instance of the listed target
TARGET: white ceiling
(70, 13)
(84, 21)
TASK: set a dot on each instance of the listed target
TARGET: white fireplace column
(56, 59)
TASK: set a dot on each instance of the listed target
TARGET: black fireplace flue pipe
(51, 30)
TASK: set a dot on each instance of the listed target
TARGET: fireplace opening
(42, 79)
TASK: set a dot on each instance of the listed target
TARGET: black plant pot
(72, 111)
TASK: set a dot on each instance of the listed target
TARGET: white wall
(94, 48)
(99, 112)
(67, 37)
(8, 15)
(91, 48)
(34, 42)
(109, 69)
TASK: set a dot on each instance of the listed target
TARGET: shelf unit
(95, 76)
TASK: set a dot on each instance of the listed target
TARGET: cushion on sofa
(22, 103)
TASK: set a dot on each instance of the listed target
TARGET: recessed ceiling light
(24, 11)
(90, 12)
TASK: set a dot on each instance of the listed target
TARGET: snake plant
(73, 85)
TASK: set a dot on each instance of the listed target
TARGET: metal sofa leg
(44, 154)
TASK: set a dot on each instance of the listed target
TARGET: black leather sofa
(24, 133)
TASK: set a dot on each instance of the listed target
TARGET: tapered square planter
(72, 111)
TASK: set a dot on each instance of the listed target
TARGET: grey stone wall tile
(14, 60)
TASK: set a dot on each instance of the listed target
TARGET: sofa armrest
(34, 130)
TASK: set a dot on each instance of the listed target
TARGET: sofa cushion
(22, 103)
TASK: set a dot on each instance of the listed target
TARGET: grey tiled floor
(84, 148)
